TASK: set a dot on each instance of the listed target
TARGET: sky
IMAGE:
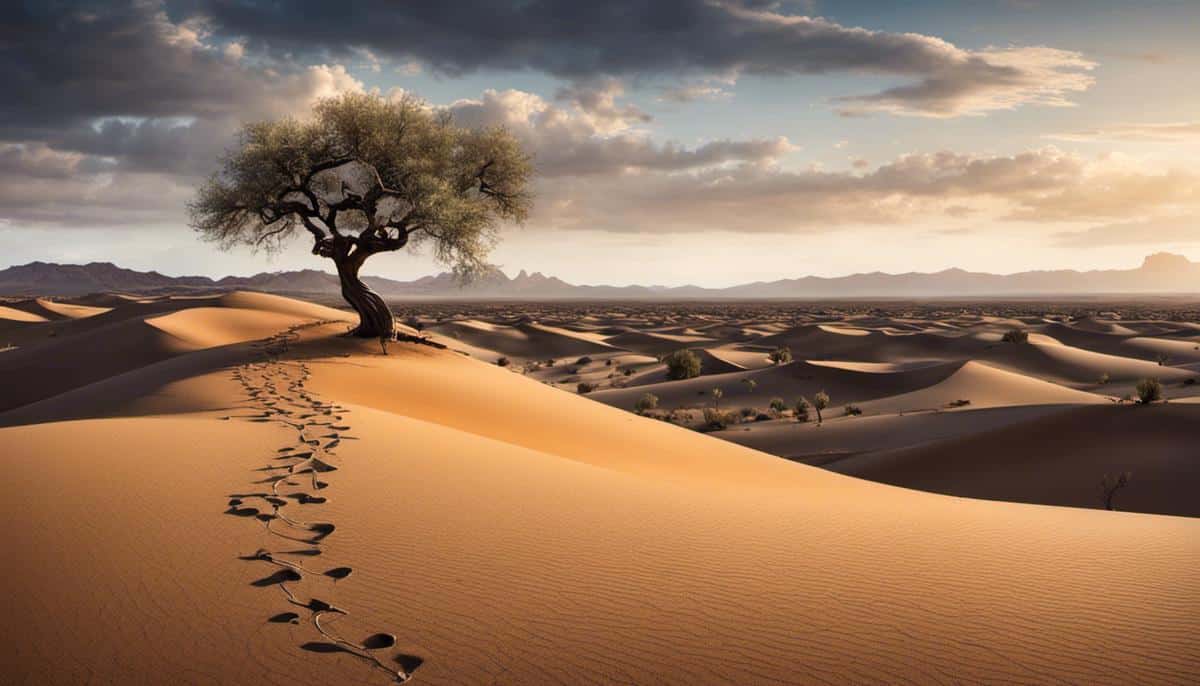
(708, 142)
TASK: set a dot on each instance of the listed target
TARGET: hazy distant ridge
(1159, 273)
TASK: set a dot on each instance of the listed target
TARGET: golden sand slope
(135, 334)
(507, 532)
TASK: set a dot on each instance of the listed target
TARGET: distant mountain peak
(1167, 262)
(1159, 273)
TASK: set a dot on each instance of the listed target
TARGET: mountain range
(1159, 273)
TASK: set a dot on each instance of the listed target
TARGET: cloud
(1039, 186)
(121, 110)
(72, 67)
(39, 185)
(984, 81)
(1164, 132)
(694, 92)
(596, 102)
(581, 41)
(1163, 230)
(593, 136)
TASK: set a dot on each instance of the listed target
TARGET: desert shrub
(608, 362)
(959, 403)
(503, 361)
(1148, 391)
(777, 406)
(1104, 379)
(550, 362)
(1110, 485)
(648, 401)
(852, 411)
(751, 384)
(717, 394)
(628, 371)
(583, 360)
(820, 402)
(749, 412)
(1015, 336)
(762, 417)
(585, 387)
(781, 355)
(802, 407)
(682, 364)
(715, 420)
(1190, 381)
(1162, 359)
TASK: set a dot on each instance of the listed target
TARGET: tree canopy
(364, 175)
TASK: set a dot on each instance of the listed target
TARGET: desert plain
(222, 488)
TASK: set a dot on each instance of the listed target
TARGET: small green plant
(1162, 359)
(645, 403)
(1104, 379)
(802, 407)
(777, 406)
(1110, 485)
(852, 411)
(781, 355)
(716, 420)
(584, 387)
(717, 394)
(820, 402)
(1015, 336)
(682, 364)
(1149, 391)
(751, 384)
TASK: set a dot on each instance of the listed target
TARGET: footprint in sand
(262, 382)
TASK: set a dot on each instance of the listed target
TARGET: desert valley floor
(223, 489)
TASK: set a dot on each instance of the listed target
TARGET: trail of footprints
(293, 481)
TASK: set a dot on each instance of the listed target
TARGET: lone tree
(820, 402)
(366, 175)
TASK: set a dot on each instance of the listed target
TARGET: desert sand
(224, 490)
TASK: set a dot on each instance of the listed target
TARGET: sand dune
(523, 340)
(842, 437)
(42, 309)
(18, 315)
(209, 327)
(1174, 351)
(477, 526)
(788, 381)
(117, 341)
(745, 357)
(1069, 365)
(983, 386)
(1059, 458)
(825, 343)
(657, 344)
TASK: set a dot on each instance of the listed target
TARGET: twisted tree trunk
(374, 317)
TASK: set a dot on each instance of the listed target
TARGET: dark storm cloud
(636, 38)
